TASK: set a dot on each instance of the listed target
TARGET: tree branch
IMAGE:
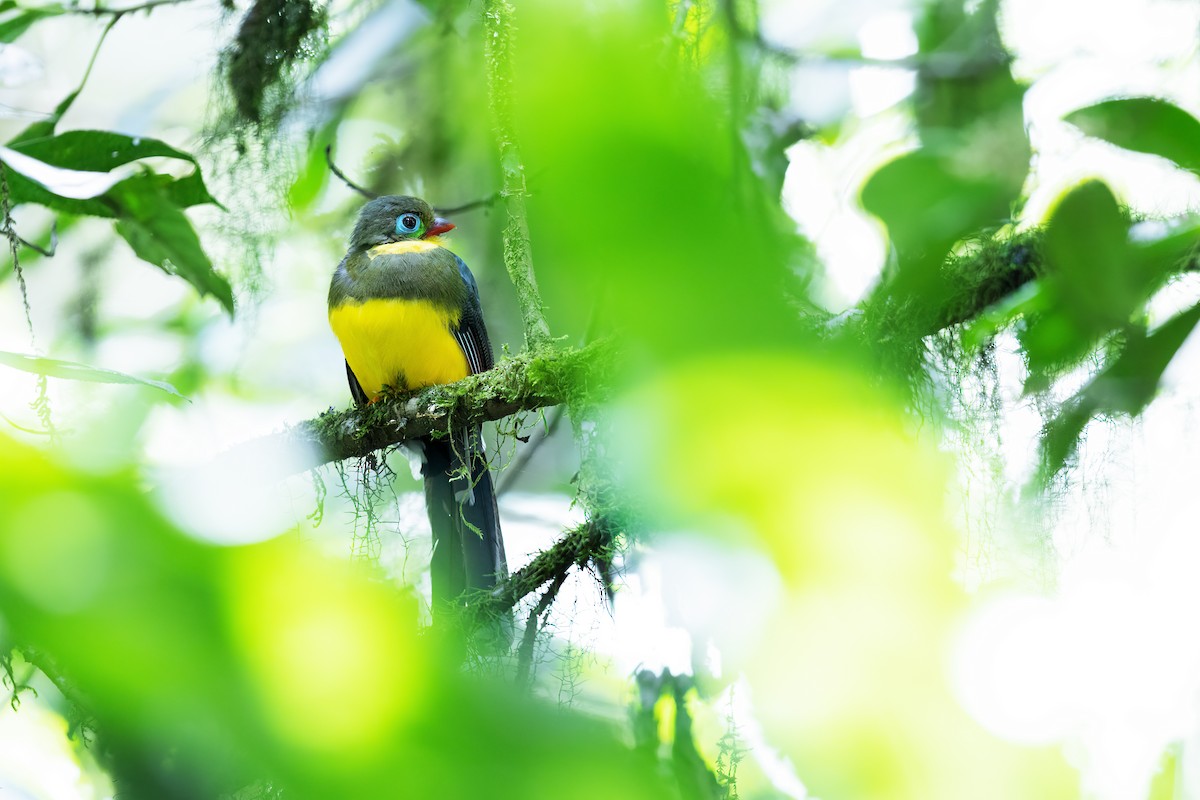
(526, 382)
(532, 625)
(518, 257)
(579, 546)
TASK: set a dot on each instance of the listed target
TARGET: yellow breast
(402, 343)
(406, 246)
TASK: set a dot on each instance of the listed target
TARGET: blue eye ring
(408, 223)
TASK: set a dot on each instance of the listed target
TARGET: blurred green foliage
(968, 172)
(208, 668)
(824, 477)
(641, 214)
(1145, 125)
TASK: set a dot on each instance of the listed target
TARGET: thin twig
(532, 626)
(54, 116)
(367, 193)
(101, 11)
(474, 204)
(513, 472)
(37, 248)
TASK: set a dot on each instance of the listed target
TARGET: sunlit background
(1078, 630)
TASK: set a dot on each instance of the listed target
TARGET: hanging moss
(273, 36)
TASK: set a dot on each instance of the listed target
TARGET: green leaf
(1094, 283)
(190, 191)
(1126, 386)
(96, 151)
(1161, 258)
(1087, 254)
(314, 175)
(146, 206)
(70, 370)
(1145, 125)
(100, 151)
(12, 28)
(928, 204)
(160, 234)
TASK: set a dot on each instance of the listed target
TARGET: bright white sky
(1096, 663)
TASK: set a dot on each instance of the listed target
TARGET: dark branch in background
(471, 206)
(367, 193)
(102, 11)
(37, 248)
(532, 625)
(514, 470)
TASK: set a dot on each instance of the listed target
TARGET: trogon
(406, 311)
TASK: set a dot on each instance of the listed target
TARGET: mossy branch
(591, 541)
(526, 382)
(975, 280)
(518, 256)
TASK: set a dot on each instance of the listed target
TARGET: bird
(406, 311)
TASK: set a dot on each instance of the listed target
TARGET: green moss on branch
(498, 34)
(529, 381)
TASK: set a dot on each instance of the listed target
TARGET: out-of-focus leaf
(14, 26)
(648, 151)
(70, 370)
(928, 204)
(1125, 386)
(974, 153)
(160, 234)
(314, 174)
(975, 84)
(1146, 125)
(1086, 250)
(1164, 786)
(1096, 282)
(968, 105)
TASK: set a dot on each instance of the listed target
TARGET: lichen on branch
(577, 377)
(498, 31)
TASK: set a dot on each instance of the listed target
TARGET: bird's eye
(408, 223)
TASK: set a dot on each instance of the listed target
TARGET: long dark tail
(468, 548)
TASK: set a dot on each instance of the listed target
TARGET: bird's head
(395, 218)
